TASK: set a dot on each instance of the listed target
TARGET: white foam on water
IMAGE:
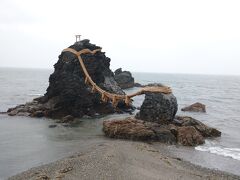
(35, 94)
(222, 151)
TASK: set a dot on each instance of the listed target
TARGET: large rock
(68, 94)
(127, 129)
(158, 107)
(124, 79)
(196, 107)
(134, 129)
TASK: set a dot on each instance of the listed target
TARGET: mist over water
(27, 142)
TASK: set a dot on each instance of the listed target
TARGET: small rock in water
(52, 126)
(38, 114)
(124, 79)
(86, 117)
(196, 107)
(67, 119)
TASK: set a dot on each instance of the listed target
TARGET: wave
(222, 151)
(35, 94)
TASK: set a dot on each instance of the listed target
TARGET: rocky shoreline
(122, 160)
(68, 97)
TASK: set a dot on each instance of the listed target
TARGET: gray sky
(145, 36)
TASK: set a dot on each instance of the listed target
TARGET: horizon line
(181, 73)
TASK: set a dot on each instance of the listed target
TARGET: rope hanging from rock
(106, 96)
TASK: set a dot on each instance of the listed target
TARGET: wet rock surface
(196, 107)
(68, 94)
(189, 136)
(205, 130)
(156, 121)
(158, 107)
(135, 129)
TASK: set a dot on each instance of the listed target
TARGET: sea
(28, 142)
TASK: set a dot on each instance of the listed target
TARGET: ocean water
(28, 142)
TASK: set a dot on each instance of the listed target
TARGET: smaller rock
(52, 126)
(38, 114)
(138, 85)
(67, 119)
(205, 130)
(189, 136)
(86, 117)
(23, 114)
(196, 107)
(164, 135)
(124, 78)
(12, 112)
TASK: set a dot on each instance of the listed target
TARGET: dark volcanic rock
(67, 93)
(124, 79)
(158, 107)
(196, 107)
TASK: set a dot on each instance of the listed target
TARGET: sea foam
(222, 151)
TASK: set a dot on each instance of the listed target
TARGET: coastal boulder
(124, 78)
(205, 130)
(127, 129)
(196, 107)
(134, 129)
(68, 94)
(158, 107)
(189, 136)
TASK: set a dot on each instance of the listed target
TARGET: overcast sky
(169, 36)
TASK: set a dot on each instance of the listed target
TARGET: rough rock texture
(205, 130)
(185, 131)
(128, 129)
(124, 79)
(67, 93)
(158, 107)
(196, 107)
(134, 129)
(189, 136)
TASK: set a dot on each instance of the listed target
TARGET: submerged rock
(158, 107)
(196, 107)
(68, 94)
(124, 78)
